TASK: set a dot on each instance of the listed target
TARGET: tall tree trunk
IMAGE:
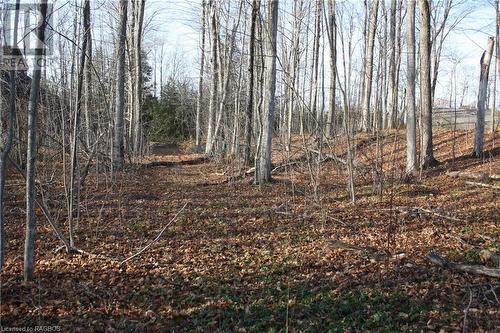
(481, 98)
(411, 127)
(314, 113)
(332, 38)
(251, 80)
(497, 65)
(263, 172)
(76, 120)
(6, 138)
(368, 71)
(118, 146)
(88, 78)
(215, 75)
(200, 79)
(138, 76)
(225, 67)
(29, 244)
(392, 99)
(293, 68)
(428, 159)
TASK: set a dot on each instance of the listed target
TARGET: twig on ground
(157, 237)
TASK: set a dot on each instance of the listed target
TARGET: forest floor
(245, 258)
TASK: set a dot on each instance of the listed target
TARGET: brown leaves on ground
(247, 258)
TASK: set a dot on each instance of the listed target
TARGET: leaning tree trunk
(200, 79)
(29, 244)
(263, 172)
(118, 149)
(368, 71)
(411, 127)
(428, 159)
(481, 98)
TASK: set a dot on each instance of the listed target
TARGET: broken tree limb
(439, 260)
(482, 185)
(157, 237)
(474, 175)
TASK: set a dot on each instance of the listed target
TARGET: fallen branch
(439, 260)
(169, 164)
(404, 209)
(157, 237)
(474, 175)
(482, 185)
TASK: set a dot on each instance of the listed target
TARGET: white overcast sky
(175, 24)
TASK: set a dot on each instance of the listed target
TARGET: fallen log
(168, 164)
(482, 185)
(474, 175)
(439, 260)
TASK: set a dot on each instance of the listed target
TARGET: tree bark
(215, 75)
(29, 244)
(138, 77)
(263, 172)
(76, 121)
(200, 79)
(118, 147)
(251, 81)
(428, 159)
(497, 66)
(314, 113)
(392, 99)
(368, 71)
(481, 98)
(332, 38)
(411, 127)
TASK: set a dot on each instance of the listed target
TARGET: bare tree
(332, 39)
(315, 62)
(215, 76)
(200, 79)
(139, 19)
(121, 34)
(263, 170)
(481, 97)
(29, 244)
(392, 99)
(497, 65)
(251, 79)
(368, 68)
(76, 121)
(427, 159)
(411, 127)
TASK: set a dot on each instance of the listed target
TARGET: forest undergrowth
(250, 258)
